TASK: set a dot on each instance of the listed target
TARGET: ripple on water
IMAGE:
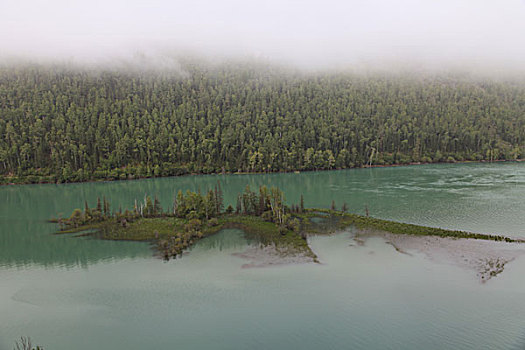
(60, 289)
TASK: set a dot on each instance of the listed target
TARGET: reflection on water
(28, 242)
(360, 297)
(227, 240)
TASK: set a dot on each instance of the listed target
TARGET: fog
(478, 34)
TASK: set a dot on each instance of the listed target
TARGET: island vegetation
(66, 124)
(263, 216)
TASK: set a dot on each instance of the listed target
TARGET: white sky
(306, 33)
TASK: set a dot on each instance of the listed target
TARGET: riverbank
(10, 180)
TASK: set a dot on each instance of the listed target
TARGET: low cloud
(310, 34)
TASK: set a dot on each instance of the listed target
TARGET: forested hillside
(63, 124)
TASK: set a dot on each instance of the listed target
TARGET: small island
(262, 215)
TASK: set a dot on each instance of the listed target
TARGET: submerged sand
(486, 258)
(270, 255)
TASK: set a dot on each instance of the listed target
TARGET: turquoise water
(71, 293)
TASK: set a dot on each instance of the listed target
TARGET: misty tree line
(62, 124)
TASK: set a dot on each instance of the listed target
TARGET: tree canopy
(63, 124)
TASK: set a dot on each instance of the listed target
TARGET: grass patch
(341, 220)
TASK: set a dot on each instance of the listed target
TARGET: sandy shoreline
(486, 258)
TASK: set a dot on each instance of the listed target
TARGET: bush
(267, 216)
(293, 224)
(193, 225)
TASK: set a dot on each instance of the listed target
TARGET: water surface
(71, 293)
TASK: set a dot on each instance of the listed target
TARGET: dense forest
(64, 124)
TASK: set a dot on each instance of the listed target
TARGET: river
(81, 293)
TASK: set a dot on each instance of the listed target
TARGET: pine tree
(216, 198)
(106, 208)
(157, 209)
(219, 197)
(181, 205)
(210, 205)
(238, 207)
(87, 211)
(175, 204)
(148, 207)
(99, 206)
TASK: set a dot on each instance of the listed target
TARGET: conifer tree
(106, 208)
(157, 209)
(238, 207)
(220, 198)
(175, 204)
(148, 207)
(99, 206)
(87, 211)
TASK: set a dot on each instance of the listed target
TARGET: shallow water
(71, 293)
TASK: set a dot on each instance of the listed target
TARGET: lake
(81, 293)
